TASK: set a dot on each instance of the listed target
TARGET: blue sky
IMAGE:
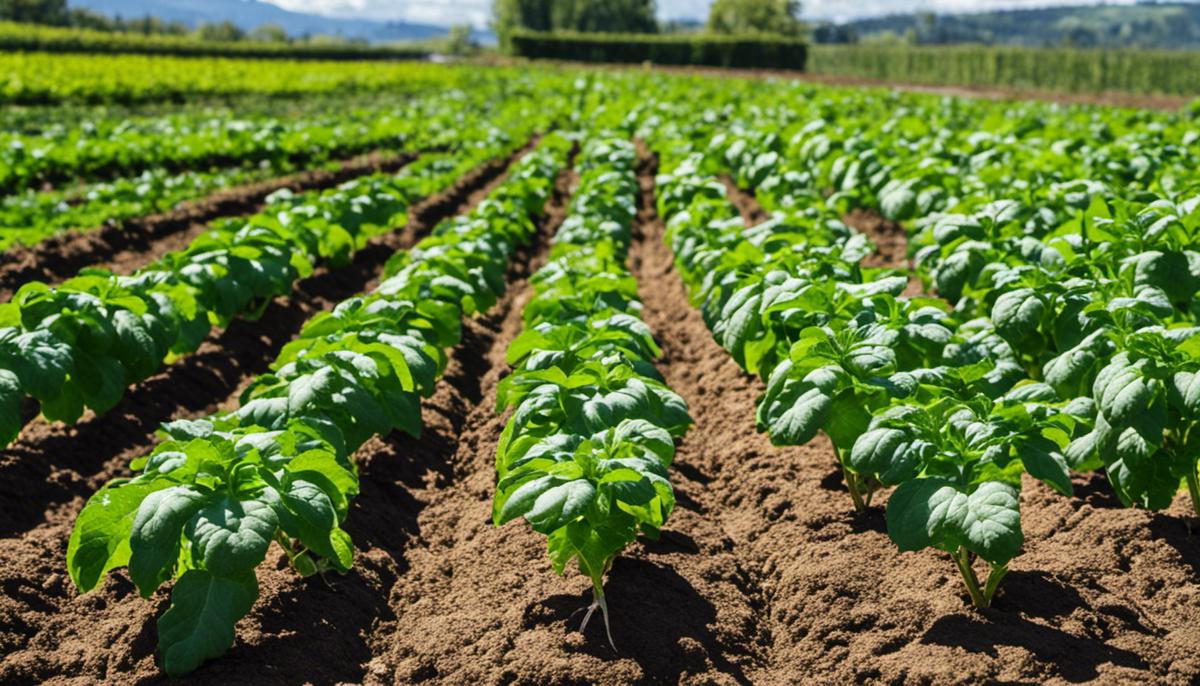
(477, 11)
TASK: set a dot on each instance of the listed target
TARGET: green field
(789, 382)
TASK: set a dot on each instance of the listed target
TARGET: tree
(53, 12)
(459, 41)
(779, 17)
(510, 15)
(604, 16)
(224, 32)
(270, 33)
(607, 16)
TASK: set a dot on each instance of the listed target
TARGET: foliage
(1047, 69)
(45, 78)
(80, 344)
(585, 454)
(210, 500)
(585, 16)
(765, 52)
(34, 11)
(211, 40)
(739, 17)
(1143, 25)
(1064, 336)
(198, 139)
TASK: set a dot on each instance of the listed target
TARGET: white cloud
(445, 12)
(477, 12)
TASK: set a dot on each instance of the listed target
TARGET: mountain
(1165, 25)
(250, 14)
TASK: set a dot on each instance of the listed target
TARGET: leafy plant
(584, 456)
(206, 505)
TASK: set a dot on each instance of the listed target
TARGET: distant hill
(1173, 26)
(250, 14)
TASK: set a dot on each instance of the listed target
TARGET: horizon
(478, 12)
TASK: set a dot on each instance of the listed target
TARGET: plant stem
(1194, 488)
(852, 485)
(993, 582)
(962, 559)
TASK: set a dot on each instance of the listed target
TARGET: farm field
(523, 375)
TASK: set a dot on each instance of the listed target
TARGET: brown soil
(763, 575)
(891, 245)
(131, 244)
(752, 213)
(110, 632)
(1100, 593)
(237, 354)
(46, 468)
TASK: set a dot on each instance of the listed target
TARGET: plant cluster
(1064, 336)
(82, 343)
(101, 146)
(584, 455)
(206, 505)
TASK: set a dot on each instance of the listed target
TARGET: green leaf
(925, 513)
(509, 506)
(560, 505)
(1122, 392)
(100, 540)
(1017, 314)
(199, 624)
(1043, 460)
(11, 399)
(890, 455)
(1168, 271)
(793, 410)
(991, 524)
(310, 516)
(230, 537)
(154, 539)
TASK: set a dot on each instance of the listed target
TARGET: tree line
(727, 17)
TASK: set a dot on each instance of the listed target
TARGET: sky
(477, 12)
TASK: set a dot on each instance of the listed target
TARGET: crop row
(37, 78)
(1082, 293)
(1072, 351)
(82, 343)
(584, 455)
(105, 147)
(208, 502)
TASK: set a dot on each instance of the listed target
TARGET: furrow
(128, 245)
(49, 487)
(52, 464)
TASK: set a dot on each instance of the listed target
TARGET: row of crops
(1056, 330)
(1045, 324)
(110, 168)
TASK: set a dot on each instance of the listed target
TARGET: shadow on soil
(658, 620)
(1043, 602)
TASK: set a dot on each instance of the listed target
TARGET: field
(545, 375)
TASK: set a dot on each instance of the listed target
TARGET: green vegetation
(210, 41)
(1144, 25)
(1049, 69)
(1061, 332)
(217, 492)
(38, 78)
(572, 16)
(107, 147)
(95, 335)
(746, 17)
(763, 52)
(584, 457)
(1043, 322)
